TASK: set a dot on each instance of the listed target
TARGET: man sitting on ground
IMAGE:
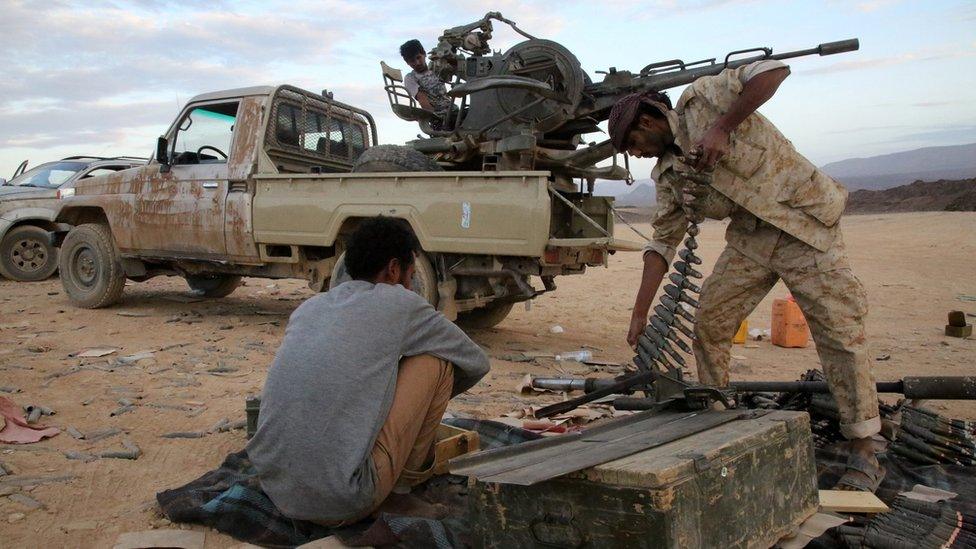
(361, 380)
(423, 85)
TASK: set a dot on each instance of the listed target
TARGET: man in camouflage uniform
(423, 85)
(784, 225)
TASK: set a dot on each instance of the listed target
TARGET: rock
(26, 501)
(14, 517)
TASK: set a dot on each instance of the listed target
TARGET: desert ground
(207, 356)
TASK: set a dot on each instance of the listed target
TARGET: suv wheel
(26, 254)
(91, 272)
(214, 285)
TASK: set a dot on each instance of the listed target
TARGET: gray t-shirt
(431, 85)
(330, 389)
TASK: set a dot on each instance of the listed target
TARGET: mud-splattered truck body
(264, 182)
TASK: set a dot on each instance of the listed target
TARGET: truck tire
(394, 158)
(424, 277)
(213, 286)
(26, 254)
(91, 272)
(485, 317)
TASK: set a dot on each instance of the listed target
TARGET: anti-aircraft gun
(529, 107)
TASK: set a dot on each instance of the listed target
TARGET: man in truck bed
(784, 225)
(358, 387)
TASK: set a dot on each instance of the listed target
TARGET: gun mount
(529, 107)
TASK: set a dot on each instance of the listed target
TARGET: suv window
(202, 130)
(50, 175)
(104, 170)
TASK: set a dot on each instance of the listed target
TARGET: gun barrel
(920, 387)
(923, 387)
(677, 73)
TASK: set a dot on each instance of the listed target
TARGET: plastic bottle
(740, 336)
(575, 356)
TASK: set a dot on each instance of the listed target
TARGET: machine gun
(665, 391)
(529, 107)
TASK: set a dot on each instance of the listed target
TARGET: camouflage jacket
(431, 85)
(763, 173)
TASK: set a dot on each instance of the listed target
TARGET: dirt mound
(920, 196)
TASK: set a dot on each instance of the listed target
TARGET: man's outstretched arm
(715, 143)
(424, 101)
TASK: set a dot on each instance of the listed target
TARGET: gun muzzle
(841, 46)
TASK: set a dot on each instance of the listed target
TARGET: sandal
(861, 475)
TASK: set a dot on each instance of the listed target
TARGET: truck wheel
(424, 277)
(485, 317)
(394, 158)
(91, 272)
(214, 286)
(26, 254)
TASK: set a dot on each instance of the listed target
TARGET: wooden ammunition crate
(745, 483)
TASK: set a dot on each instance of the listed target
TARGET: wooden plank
(536, 461)
(846, 501)
(505, 458)
(669, 464)
(592, 452)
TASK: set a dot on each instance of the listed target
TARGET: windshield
(49, 176)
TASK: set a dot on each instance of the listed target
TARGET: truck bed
(501, 213)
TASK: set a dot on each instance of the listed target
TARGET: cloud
(939, 103)
(958, 133)
(125, 64)
(873, 5)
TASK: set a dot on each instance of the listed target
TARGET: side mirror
(3, 181)
(162, 151)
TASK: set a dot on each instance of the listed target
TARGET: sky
(107, 77)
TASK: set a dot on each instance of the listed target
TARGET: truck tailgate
(501, 213)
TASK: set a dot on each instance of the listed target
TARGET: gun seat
(404, 106)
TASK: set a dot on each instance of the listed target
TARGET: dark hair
(411, 48)
(375, 242)
(660, 97)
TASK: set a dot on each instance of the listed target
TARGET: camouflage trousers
(832, 300)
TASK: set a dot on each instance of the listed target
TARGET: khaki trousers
(406, 440)
(832, 300)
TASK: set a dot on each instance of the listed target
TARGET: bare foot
(410, 505)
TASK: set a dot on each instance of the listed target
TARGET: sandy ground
(915, 267)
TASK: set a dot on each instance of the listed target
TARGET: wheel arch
(82, 214)
(347, 222)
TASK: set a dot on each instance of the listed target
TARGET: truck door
(181, 212)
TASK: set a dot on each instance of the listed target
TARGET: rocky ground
(183, 365)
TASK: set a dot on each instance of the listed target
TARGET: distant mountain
(890, 170)
(642, 196)
(920, 196)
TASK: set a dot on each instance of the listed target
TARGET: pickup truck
(269, 181)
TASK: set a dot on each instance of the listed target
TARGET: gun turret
(529, 107)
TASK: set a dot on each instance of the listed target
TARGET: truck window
(338, 146)
(356, 139)
(204, 135)
(307, 131)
